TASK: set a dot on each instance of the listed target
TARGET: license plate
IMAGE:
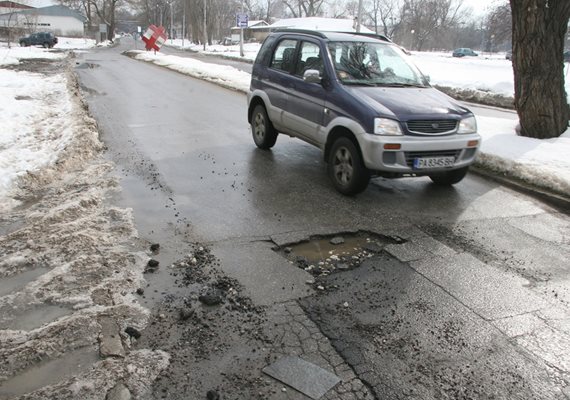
(433, 162)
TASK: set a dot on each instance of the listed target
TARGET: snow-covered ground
(544, 163)
(487, 72)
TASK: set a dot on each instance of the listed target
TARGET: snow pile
(13, 55)
(33, 132)
(541, 162)
(223, 75)
(74, 43)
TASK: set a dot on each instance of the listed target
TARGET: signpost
(242, 20)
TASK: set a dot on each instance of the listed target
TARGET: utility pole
(359, 17)
(205, 27)
(241, 34)
(183, 21)
(171, 23)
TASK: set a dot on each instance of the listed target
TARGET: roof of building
(55, 11)
(12, 4)
(320, 24)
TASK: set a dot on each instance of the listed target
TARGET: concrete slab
(267, 277)
(303, 376)
(485, 289)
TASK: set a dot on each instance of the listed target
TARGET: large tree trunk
(539, 27)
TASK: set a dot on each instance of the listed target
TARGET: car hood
(405, 103)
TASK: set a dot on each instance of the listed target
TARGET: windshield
(374, 64)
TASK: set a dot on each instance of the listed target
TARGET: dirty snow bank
(33, 133)
(543, 163)
(68, 260)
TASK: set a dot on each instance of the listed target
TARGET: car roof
(338, 36)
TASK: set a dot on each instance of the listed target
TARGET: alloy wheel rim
(259, 126)
(343, 166)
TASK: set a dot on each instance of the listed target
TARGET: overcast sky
(480, 6)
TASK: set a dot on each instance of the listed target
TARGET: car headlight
(467, 125)
(385, 126)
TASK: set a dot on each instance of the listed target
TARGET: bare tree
(385, 15)
(304, 8)
(425, 18)
(539, 28)
(499, 25)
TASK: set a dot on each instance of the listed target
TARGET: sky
(34, 135)
(480, 6)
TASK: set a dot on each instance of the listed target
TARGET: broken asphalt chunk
(307, 378)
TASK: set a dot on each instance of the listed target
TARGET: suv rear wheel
(264, 134)
(448, 178)
(346, 169)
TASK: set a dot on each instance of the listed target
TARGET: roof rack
(322, 35)
(372, 35)
(305, 31)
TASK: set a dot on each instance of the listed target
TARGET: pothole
(323, 255)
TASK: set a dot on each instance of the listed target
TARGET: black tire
(46, 45)
(23, 44)
(449, 178)
(262, 130)
(346, 169)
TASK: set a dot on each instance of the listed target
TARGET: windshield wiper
(417, 85)
(358, 83)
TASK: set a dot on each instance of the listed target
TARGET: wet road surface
(467, 298)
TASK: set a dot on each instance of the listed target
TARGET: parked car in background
(567, 56)
(45, 39)
(509, 55)
(362, 101)
(462, 52)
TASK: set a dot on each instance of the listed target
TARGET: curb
(556, 200)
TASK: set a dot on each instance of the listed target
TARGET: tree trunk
(539, 28)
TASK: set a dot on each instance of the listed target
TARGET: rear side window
(284, 55)
(309, 58)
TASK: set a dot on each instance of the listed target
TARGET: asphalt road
(465, 295)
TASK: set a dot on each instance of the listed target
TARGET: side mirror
(312, 76)
(428, 78)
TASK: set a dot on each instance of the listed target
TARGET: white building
(60, 20)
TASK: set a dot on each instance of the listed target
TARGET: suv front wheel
(346, 169)
(264, 134)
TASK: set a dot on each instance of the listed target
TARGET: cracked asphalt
(471, 303)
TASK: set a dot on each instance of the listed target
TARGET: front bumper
(400, 161)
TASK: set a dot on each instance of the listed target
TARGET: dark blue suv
(362, 101)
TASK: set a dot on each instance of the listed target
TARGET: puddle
(324, 255)
(17, 282)
(50, 372)
(28, 319)
(8, 227)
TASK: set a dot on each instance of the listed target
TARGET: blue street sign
(242, 20)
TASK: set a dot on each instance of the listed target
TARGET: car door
(307, 100)
(278, 83)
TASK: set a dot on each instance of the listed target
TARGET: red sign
(154, 37)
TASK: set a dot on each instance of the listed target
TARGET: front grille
(432, 127)
(411, 155)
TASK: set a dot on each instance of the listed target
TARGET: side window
(309, 58)
(284, 55)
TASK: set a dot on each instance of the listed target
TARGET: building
(9, 7)
(60, 20)
(258, 30)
